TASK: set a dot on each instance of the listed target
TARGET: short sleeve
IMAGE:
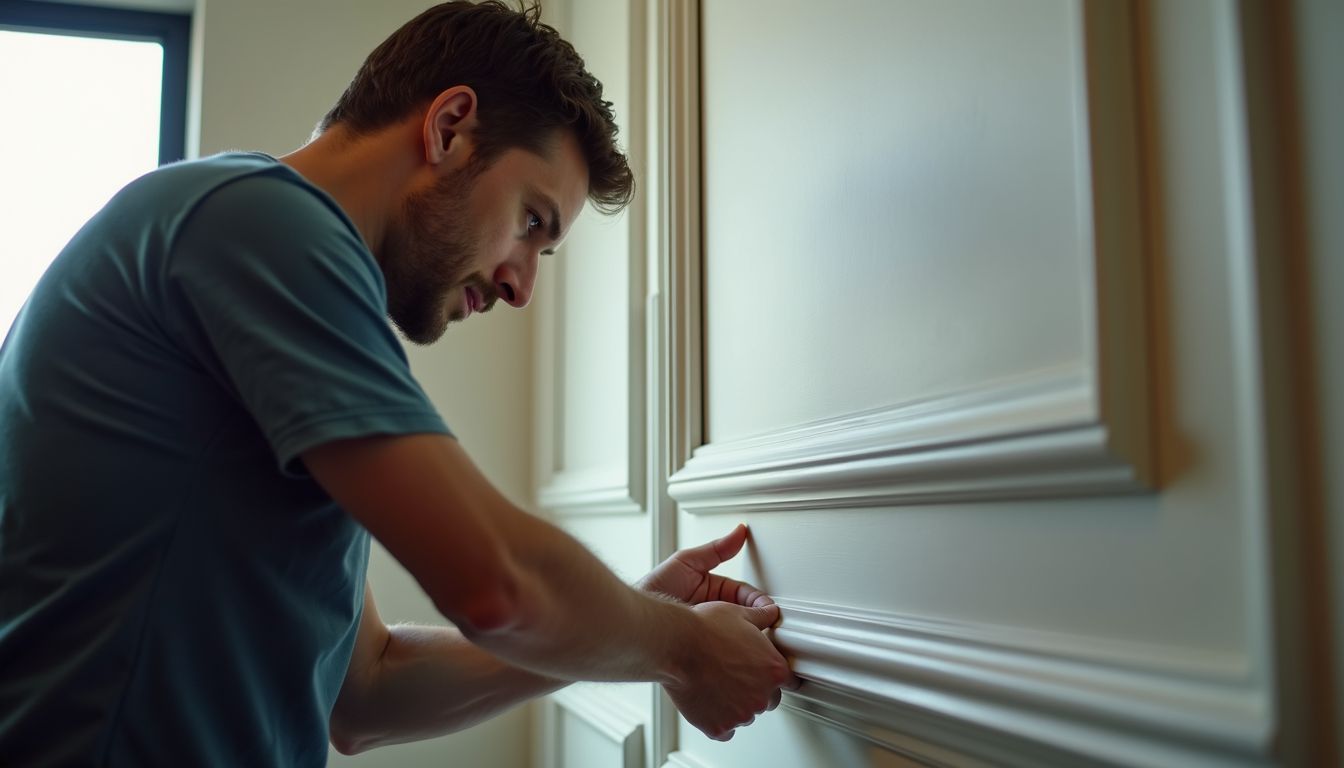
(274, 293)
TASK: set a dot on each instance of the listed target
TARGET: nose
(514, 280)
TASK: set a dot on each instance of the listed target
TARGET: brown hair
(529, 83)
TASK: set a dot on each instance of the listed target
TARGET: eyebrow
(552, 213)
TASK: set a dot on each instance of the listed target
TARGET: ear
(450, 122)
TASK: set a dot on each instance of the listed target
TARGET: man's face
(475, 234)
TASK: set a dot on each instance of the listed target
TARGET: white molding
(683, 760)
(672, 184)
(596, 491)
(1018, 697)
(680, 270)
(606, 715)
(1033, 436)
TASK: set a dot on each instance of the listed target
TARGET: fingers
(707, 557)
(774, 700)
(763, 617)
(746, 594)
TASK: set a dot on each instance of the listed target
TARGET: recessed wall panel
(900, 217)
(594, 274)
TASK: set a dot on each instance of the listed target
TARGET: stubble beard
(430, 261)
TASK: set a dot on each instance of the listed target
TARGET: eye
(534, 222)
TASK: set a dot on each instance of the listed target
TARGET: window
(94, 97)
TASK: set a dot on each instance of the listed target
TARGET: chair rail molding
(1009, 696)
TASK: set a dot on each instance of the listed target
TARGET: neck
(365, 175)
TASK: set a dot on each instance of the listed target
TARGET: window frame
(170, 30)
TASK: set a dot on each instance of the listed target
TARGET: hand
(686, 575)
(734, 672)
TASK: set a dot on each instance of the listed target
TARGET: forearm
(575, 619)
(426, 682)
(515, 585)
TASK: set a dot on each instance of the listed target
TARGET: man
(205, 416)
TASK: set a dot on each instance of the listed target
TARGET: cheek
(494, 247)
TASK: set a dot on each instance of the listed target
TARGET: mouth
(473, 301)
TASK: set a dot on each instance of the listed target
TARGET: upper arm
(371, 641)
(424, 500)
(279, 302)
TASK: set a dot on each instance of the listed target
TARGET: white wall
(265, 73)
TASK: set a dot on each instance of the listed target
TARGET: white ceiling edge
(162, 6)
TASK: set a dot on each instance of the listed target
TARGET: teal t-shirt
(174, 589)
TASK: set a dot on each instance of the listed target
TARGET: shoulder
(262, 208)
(246, 195)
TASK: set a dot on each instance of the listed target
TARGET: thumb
(707, 557)
(728, 546)
(763, 617)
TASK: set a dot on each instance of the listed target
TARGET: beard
(429, 260)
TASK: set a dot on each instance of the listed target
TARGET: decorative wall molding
(597, 491)
(672, 183)
(1033, 436)
(680, 268)
(609, 717)
(1080, 430)
(683, 760)
(1021, 697)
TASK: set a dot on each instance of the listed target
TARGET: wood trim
(684, 760)
(600, 491)
(681, 265)
(1019, 697)
(674, 283)
(1031, 437)
(608, 717)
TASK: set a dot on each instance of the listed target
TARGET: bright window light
(81, 121)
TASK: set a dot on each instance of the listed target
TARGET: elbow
(347, 748)
(489, 606)
(347, 742)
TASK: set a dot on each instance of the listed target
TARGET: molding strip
(614, 720)
(1019, 697)
(683, 760)
(1029, 437)
(600, 491)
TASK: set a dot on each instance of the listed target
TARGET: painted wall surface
(944, 257)
(266, 72)
(905, 227)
